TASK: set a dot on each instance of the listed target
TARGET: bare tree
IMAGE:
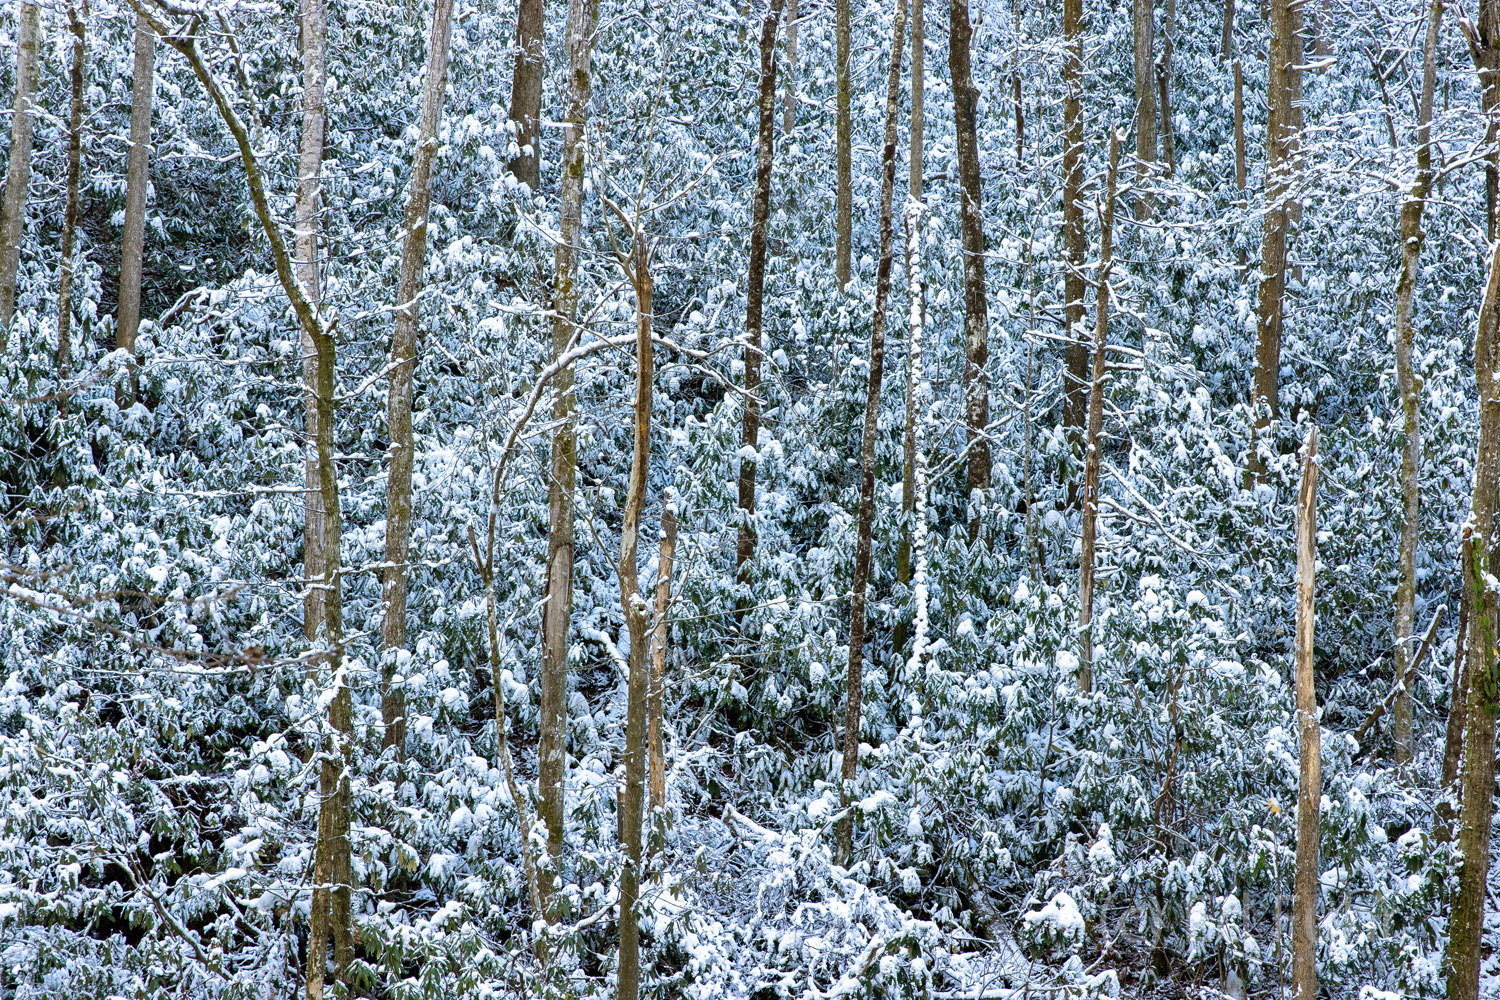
(526, 90)
(1466, 922)
(637, 267)
(1075, 243)
(1096, 426)
(330, 865)
(845, 831)
(558, 613)
(843, 196)
(656, 705)
(403, 365)
(1484, 46)
(78, 24)
(756, 283)
(1458, 702)
(1144, 37)
(789, 99)
(1164, 85)
(971, 222)
(1310, 774)
(331, 894)
(1283, 88)
(909, 430)
(137, 179)
(18, 172)
(1408, 387)
(918, 95)
(313, 35)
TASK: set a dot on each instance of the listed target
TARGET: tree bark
(1409, 389)
(1164, 85)
(331, 903)
(789, 106)
(845, 830)
(657, 705)
(1226, 41)
(909, 429)
(1453, 738)
(756, 286)
(1485, 49)
(558, 613)
(1241, 178)
(1144, 36)
(844, 198)
(976, 310)
(137, 179)
(918, 396)
(1075, 243)
(403, 365)
(918, 97)
(18, 173)
(1477, 778)
(330, 864)
(638, 618)
(313, 34)
(78, 24)
(1096, 428)
(1283, 85)
(1310, 774)
(526, 91)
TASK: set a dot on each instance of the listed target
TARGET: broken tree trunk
(1310, 775)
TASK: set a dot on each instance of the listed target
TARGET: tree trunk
(403, 365)
(526, 91)
(756, 286)
(137, 180)
(18, 174)
(1144, 12)
(918, 395)
(331, 893)
(1466, 924)
(78, 23)
(330, 865)
(1164, 85)
(1486, 52)
(1453, 738)
(845, 831)
(1409, 388)
(638, 615)
(558, 613)
(789, 107)
(976, 311)
(844, 198)
(918, 96)
(909, 429)
(1310, 775)
(1226, 41)
(313, 33)
(1241, 178)
(657, 704)
(1096, 428)
(1075, 243)
(1283, 84)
